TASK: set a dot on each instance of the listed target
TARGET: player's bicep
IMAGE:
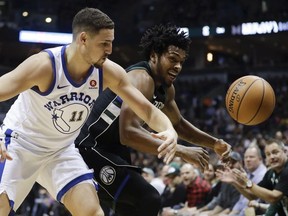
(144, 83)
(171, 109)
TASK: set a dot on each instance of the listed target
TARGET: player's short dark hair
(91, 20)
(160, 37)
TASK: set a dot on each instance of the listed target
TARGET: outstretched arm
(117, 80)
(188, 132)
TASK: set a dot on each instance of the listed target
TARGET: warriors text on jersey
(61, 111)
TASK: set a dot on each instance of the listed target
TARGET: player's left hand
(222, 149)
(168, 147)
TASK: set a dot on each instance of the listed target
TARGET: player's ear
(83, 37)
(153, 57)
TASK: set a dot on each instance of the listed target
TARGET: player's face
(99, 47)
(275, 156)
(169, 65)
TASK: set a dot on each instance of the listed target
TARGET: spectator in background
(280, 136)
(273, 188)
(210, 176)
(255, 170)
(197, 188)
(228, 195)
(174, 195)
(149, 175)
(163, 171)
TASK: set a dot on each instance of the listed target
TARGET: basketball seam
(239, 106)
(260, 104)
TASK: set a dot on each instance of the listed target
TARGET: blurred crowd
(186, 191)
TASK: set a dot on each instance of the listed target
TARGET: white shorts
(57, 171)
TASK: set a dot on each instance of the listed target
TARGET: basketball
(250, 100)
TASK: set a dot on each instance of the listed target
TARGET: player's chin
(99, 64)
(169, 83)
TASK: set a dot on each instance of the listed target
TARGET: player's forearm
(180, 151)
(139, 139)
(159, 121)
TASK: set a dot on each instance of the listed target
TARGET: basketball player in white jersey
(57, 89)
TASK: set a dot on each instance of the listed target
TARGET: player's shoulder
(39, 62)
(44, 60)
(141, 77)
(40, 56)
(141, 71)
(110, 65)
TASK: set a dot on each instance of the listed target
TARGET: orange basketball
(250, 100)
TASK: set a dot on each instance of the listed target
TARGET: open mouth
(172, 76)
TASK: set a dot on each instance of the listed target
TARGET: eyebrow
(173, 52)
(177, 54)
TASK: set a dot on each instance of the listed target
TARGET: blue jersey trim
(8, 132)
(12, 212)
(7, 139)
(119, 100)
(124, 182)
(73, 183)
(64, 65)
(2, 165)
(100, 80)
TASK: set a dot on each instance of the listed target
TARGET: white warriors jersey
(53, 119)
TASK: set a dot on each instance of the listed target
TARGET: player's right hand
(3, 151)
(195, 155)
(223, 149)
(168, 147)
